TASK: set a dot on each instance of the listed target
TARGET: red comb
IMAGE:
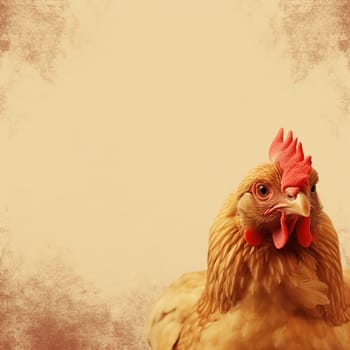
(289, 155)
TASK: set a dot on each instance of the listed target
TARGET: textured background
(125, 124)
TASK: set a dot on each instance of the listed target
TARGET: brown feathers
(261, 297)
(329, 270)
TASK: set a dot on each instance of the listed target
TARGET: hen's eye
(262, 191)
(313, 188)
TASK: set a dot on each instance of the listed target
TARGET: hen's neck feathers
(236, 268)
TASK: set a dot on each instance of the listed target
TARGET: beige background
(155, 112)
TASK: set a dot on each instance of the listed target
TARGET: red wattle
(252, 237)
(280, 235)
(304, 236)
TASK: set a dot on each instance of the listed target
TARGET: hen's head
(276, 206)
(276, 200)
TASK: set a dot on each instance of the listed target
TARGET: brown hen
(274, 278)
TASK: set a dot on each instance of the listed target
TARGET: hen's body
(275, 323)
(257, 296)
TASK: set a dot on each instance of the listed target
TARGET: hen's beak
(295, 202)
(297, 205)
